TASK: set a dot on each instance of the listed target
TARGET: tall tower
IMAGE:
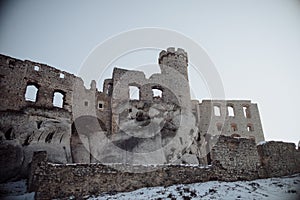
(176, 59)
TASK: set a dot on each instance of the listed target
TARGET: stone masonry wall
(232, 159)
(244, 121)
(16, 74)
(59, 181)
(278, 158)
(235, 158)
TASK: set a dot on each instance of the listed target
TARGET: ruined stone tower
(175, 59)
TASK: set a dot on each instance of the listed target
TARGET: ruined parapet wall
(278, 158)
(16, 75)
(235, 158)
(173, 90)
(174, 99)
(91, 102)
(108, 87)
(37, 123)
(103, 107)
(243, 121)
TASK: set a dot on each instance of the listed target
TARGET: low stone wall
(278, 159)
(59, 181)
(232, 159)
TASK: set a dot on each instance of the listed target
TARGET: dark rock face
(11, 160)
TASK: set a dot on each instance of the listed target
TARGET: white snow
(272, 188)
(262, 142)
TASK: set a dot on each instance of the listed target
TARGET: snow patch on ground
(271, 188)
(261, 189)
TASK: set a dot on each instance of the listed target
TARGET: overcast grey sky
(254, 44)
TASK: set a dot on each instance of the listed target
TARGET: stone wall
(235, 158)
(243, 121)
(232, 159)
(16, 75)
(278, 158)
(86, 127)
(36, 123)
(57, 181)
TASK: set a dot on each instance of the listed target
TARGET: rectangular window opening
(230, 111)
(246, 111)
(58, 99)
(250, 127)
(219, 126)
(100, 105)
(217, 110)
(233, 127)
(134, 93)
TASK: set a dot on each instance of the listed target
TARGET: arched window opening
(100, 105)
(246, 111)
(109, 89)
(230, 111)
(233, 127)
(156, 93)
(219, 126)
(250, 127)
(31, 93)
(58, 99)
(134, 93)
(9, 135)
(217, 110)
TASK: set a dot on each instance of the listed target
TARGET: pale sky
(255, 44)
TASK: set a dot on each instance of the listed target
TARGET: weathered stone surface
(232, 159)
(244, 121)
(279, 158)
(235, 158)
(25, 134)
(168, 123)
(82, 179)
(11, 158)
(108, 126)
(190, 159)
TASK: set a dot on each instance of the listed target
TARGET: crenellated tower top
(176, 59)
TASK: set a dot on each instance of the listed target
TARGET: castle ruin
(161, 125)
